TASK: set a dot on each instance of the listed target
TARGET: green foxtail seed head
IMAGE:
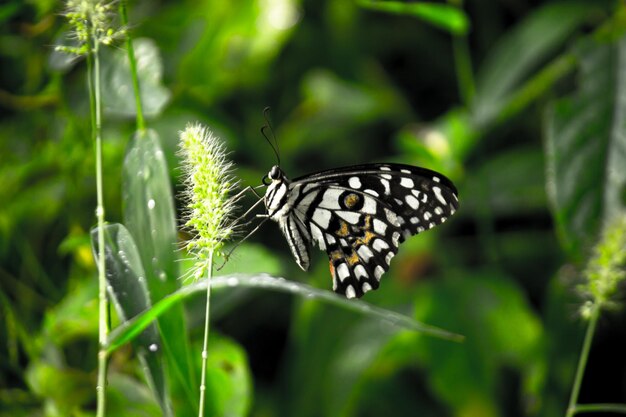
(92, 21)
(208, 181)
(605, 269)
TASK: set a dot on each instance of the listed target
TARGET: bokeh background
(519, 102)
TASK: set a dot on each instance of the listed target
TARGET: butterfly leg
(240, 194)
(227, 255)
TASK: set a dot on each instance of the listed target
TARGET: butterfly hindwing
(358, 231)
(359, 215)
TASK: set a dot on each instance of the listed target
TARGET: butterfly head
(275, 174)
(276, 194)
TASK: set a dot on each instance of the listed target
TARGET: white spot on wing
(436, 179)
(378, 272)
(437, 192)
(395, 239)
(350, 292)
(412, 202)
(407, 182)
(342, 271)
(330, 239)
(366, 287)
(391, 217)
(365, 253)
(360, 271)
(354, 182)
(371, 192)
(369, 205)
(321, 217)
(384, 168)
(405, 171)
(380, 227)
(438, 211)
(318, 236)
(385, 184)
(330, 200)
(379, 245)
(307, 200)
(386, 176)
(349, 216)
(389, 256)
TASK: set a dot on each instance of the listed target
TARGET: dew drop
(153, 347)
(151, 204)
(232, 282)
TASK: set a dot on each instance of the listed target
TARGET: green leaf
(65, 389)
(129, 330)
(486, 309)
(443, 16)
(117, 88)
(126, 285)
(518, 54)
(231, 45)
(586, 145)
(150, 218)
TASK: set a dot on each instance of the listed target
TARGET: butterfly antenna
(268, 126)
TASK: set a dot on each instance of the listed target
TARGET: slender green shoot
(91, 23)
(582, 362)
(208, 183)
(463, 62)
(141, 124)
(103, 304)
(603, 274)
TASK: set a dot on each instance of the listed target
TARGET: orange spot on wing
(351, 200)
(353, 259)
(343, 230)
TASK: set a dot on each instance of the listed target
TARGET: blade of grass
(127, 331)
(444, 16)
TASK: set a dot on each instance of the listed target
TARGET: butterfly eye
(266, 180)
(275, 173)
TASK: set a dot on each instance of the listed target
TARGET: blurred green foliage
(521, 103)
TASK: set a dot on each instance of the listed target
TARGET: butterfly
(358, 215)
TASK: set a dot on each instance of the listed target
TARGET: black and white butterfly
(358, 215)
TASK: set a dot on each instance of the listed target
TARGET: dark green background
(529, 150)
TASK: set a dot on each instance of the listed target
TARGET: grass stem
(572, 408)
(141, 124)
(205, 343)
(103, 307)
(601, 408)
(463, 63)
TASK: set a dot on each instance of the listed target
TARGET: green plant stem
(463, 63)
(606, 408)
(582, 360)
(205, 343)
(537, 86)
(141, 124)
(93, 73)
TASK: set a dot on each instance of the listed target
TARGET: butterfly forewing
(359, 215)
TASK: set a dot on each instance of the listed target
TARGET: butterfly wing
(359, 215)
